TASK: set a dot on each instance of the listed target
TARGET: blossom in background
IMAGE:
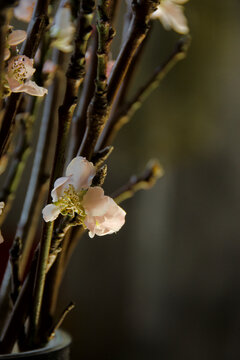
(62, 31)
(1, 210)
(24, 10)
(19, 71)
(72, 195)
(170, 13)
(14, 38)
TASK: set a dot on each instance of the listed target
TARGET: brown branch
(145, 181)
(125, 113)
(79, 121)
(36, 29)
(98, 109)
(75, 75)
(137, 32)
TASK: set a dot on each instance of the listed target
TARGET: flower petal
(104, 216)
(16, 37)
(24, 10)
(7, 54)
(95, 203)
(31, 88)
(59, 187)
(82, 172)
(50, 212)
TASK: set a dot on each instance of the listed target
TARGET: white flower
(67, 191)
(72, 195)
(19, 71)
(103, 215)
(62, 31)
(170, 13)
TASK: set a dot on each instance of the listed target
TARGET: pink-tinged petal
(1, 238)
(16, 37)
(60, 185)
(82, 172)
(24, 10)
(7, 54)
(103, 215)
(29, 87)
(95, 203)
(50, 212)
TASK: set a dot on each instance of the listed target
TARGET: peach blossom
(20, 69)
(170, 13)
(103, 215)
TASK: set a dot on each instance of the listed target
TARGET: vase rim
(60, 341)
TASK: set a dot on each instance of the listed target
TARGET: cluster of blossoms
(73, 195)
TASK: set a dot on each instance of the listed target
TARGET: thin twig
(98, 109)
(75, 75)
(39, 160)
(125, 113)
(18, 162)
(145, 181)
(137, 32)
(36, 29)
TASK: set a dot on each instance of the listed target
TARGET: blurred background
(167, 286)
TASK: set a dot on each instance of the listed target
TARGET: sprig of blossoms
(171, 15)
(72, 195)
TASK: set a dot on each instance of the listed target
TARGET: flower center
(71, 202)
(18, 70)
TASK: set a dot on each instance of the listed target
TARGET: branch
(138, 28)
(125, 113)
(18, 162)
(36, 30)
(75, 75)
(98, 109)
(145, 181)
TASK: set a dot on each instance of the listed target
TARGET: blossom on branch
(19, 71)
(72, 195)
(62, 31)
(24, 10)
(170, 13)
